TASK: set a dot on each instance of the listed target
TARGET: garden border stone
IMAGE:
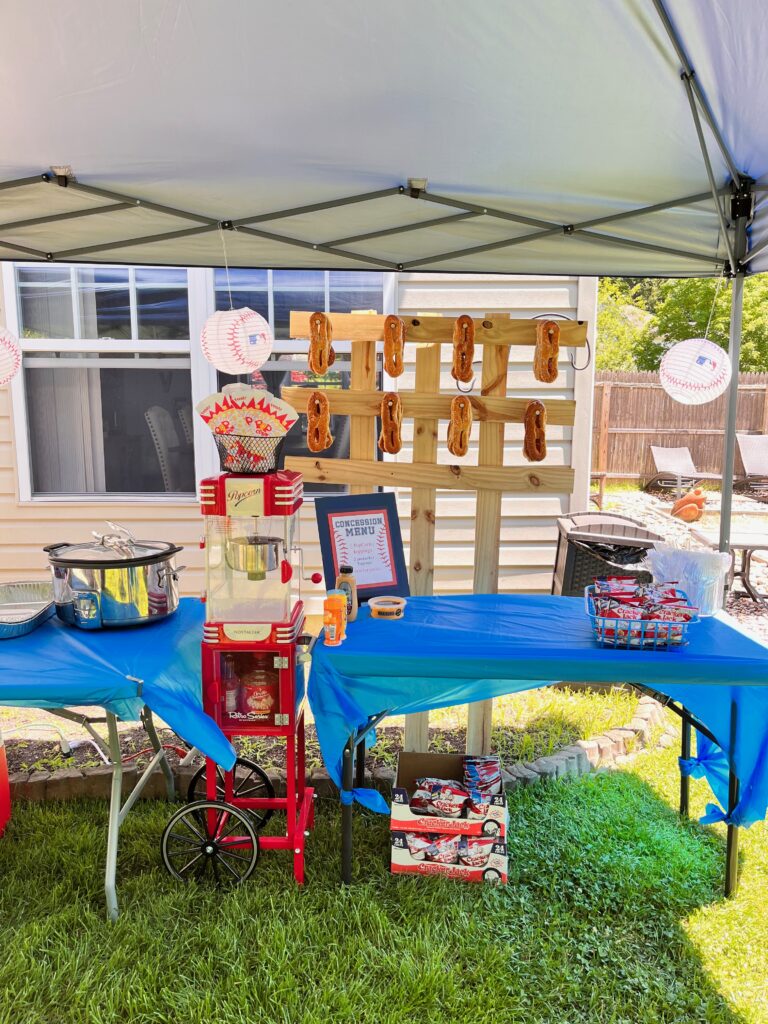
(609, 750)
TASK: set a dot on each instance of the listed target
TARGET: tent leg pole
(734, 351)
(346, 812)
(685, 781)
(732, 837)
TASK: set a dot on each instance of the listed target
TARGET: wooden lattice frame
(427, 406)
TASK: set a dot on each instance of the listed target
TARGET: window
(102, 416)
(280, 291)
(110, 377)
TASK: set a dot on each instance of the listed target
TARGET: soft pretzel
(394, 339)
(390, 440)
(460, 426)
(321, 354)
(319, 435)
(463, 349)
(535, 443)
(547, 348)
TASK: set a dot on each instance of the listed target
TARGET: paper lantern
(695, 371)
(10, 356)
(236, 340)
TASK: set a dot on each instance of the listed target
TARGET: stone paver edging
(607, 751)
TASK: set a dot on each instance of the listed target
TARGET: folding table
(454, 650)
(130, 673)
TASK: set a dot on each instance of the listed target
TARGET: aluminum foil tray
(24, 606)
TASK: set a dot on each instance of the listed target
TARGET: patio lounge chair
(674, 468)
(753, 449)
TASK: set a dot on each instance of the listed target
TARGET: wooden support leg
(488, 527)
(422, 543)
(362, 429)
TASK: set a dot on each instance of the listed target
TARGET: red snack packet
(443, 850)
(474, 851)
(417, 845)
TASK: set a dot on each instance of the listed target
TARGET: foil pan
(24, 606)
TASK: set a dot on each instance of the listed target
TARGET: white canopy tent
(619, 137)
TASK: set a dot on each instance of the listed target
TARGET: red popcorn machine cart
(252, 671)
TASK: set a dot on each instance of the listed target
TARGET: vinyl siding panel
(528, 531)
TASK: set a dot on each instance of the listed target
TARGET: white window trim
(201, 293)
(130, 348)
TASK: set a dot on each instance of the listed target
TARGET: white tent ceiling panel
(557, 111)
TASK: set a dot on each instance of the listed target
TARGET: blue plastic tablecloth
(455, 650)
(121, 670)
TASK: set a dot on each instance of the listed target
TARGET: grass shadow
(589, 929)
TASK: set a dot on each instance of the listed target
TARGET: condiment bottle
(230, 684)
(339, 599)
(332, 623)
(346, 581)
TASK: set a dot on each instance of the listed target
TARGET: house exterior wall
(528, 532)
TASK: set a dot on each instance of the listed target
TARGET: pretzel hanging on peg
(390, 440)
(394, 340)
(463, 349)
(321, 354)
(535, 442)
(460, 426)
(319, 436)
(547, 350)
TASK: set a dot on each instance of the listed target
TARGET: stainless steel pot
(116, 581)
(253, 555)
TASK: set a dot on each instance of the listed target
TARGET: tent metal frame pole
(126, 243)
(15, 225)
(700, 97)
(710, 173)
(317, 246)
(330, 204)
(103, 193)
(756, 251)
(734, 351)
(402, 228)
(33, 179)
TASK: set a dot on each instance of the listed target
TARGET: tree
(619, 322)
(685, 309)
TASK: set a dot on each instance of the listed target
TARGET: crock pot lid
(96, 552)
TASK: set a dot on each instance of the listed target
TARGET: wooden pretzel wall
(428, 407)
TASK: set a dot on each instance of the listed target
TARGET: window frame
(201, 300)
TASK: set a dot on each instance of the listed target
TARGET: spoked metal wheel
(249, 781)
(210, 840)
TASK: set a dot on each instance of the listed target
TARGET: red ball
(316, 577)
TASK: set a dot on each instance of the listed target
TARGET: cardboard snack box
(403, 862)
(412, 766)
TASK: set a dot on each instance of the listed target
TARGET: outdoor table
(130, 673)
(747, 544)
(454, 650)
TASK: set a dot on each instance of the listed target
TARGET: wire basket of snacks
(242, 453)
(626, 614)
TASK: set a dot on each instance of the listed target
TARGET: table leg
(346, 813)
(149, 726)
(113, 831)
(360, 765)
(685, 782)
(732, 837)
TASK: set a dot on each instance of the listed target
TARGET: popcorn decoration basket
(240, 453)
(623, 631)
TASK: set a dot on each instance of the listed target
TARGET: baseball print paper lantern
(236, 340)
(10, 357)
(695, 371)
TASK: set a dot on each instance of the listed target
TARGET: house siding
(528, 530)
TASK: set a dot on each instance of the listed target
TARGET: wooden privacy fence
(632, 411)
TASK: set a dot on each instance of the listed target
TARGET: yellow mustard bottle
(346, 582)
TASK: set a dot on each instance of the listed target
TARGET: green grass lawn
(613, 913)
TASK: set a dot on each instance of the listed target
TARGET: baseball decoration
(695, 371)
(10, 357)
(236, 340)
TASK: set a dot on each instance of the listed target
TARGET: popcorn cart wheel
(210, 841)
(249, 782)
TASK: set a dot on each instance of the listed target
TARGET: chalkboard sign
(363, 530)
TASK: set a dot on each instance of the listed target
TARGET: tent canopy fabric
(176, 116)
